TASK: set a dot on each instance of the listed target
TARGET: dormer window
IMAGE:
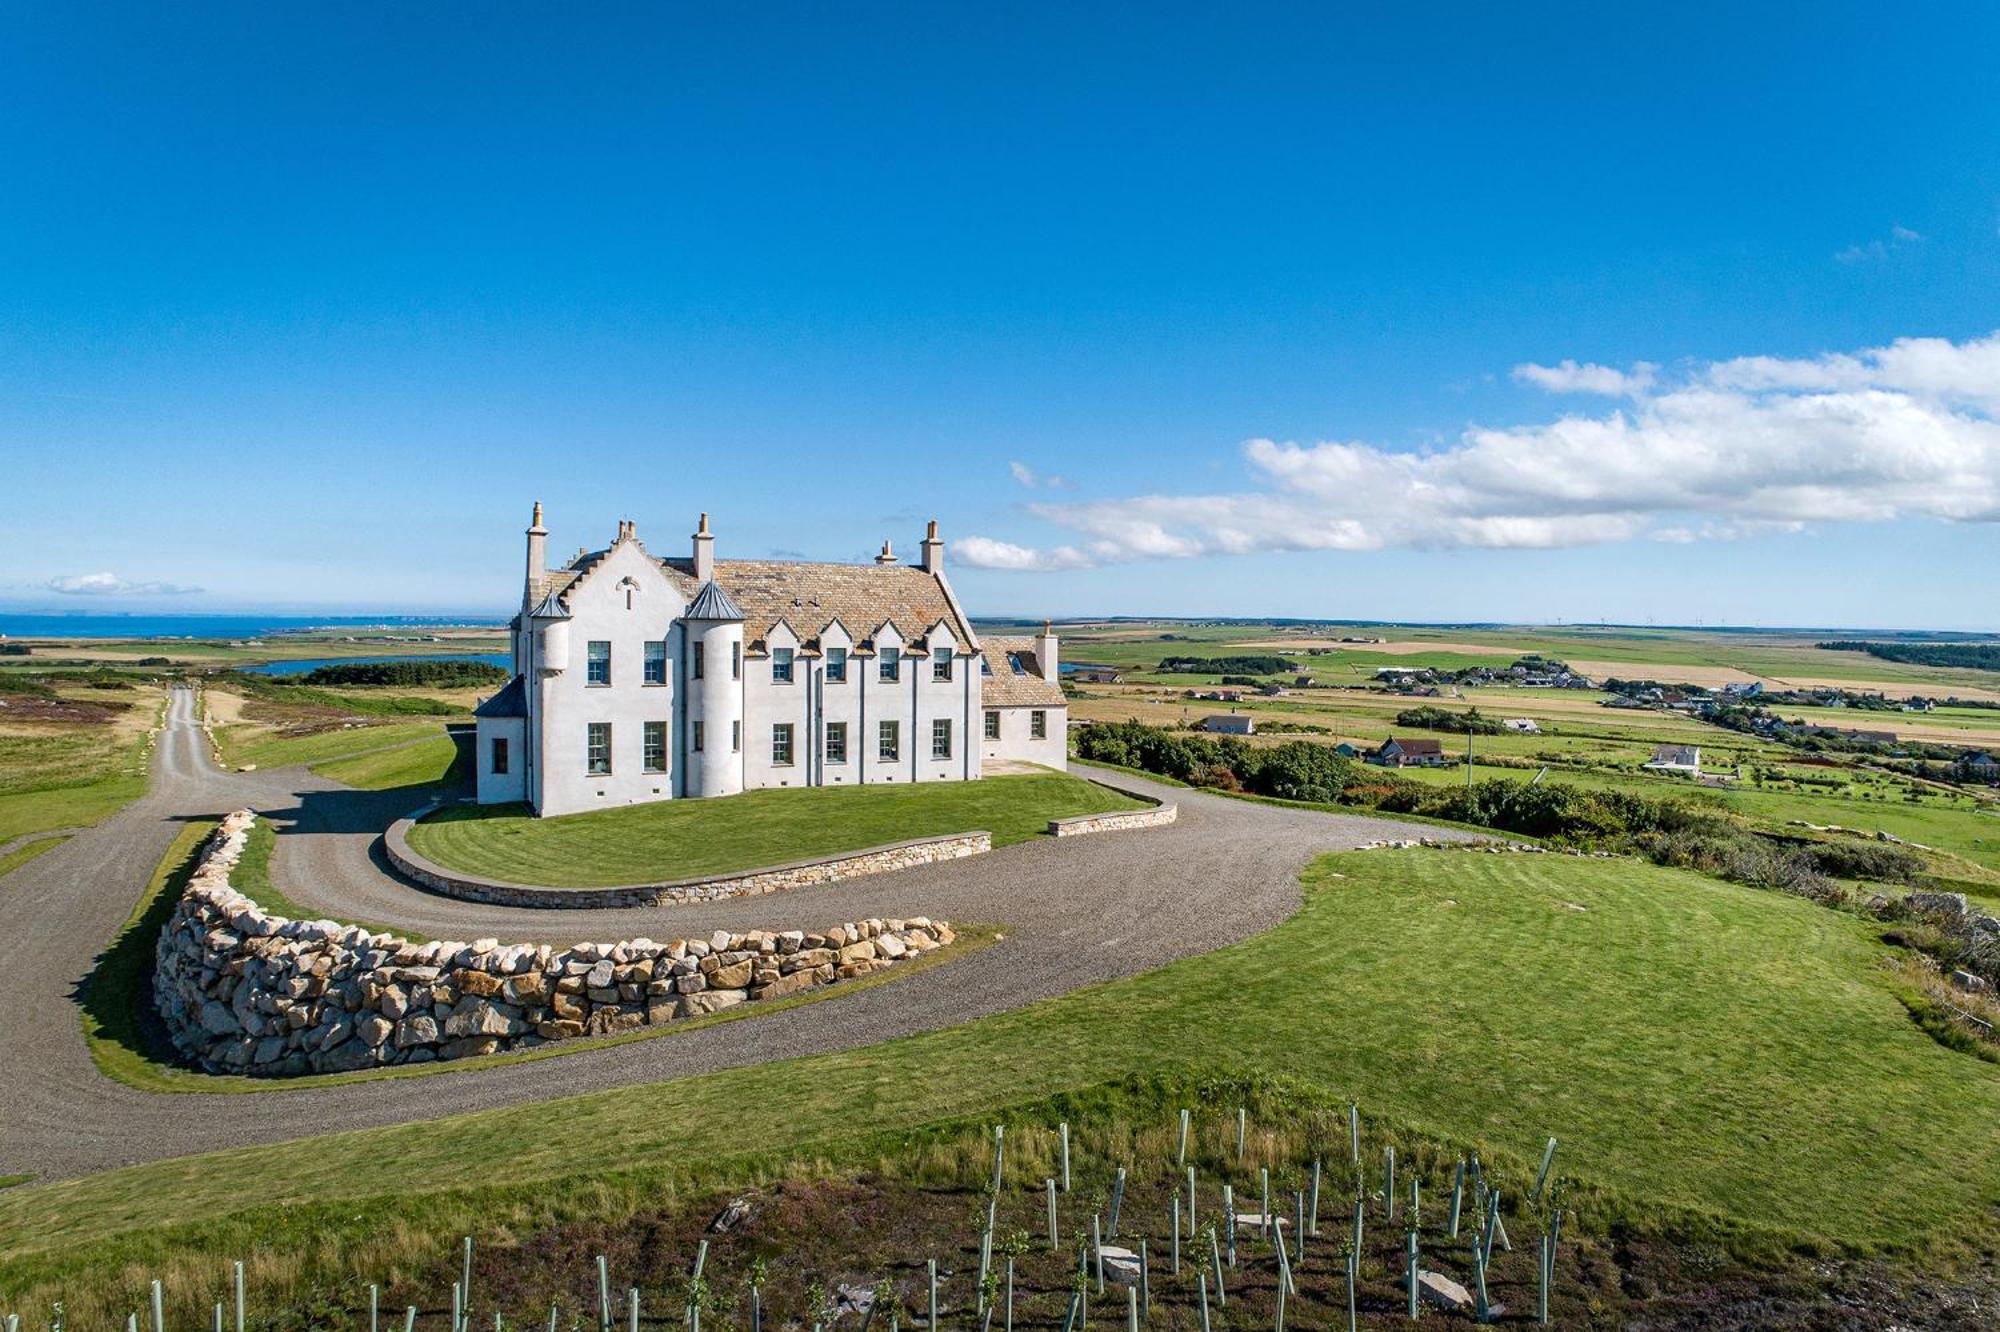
(781, 665)
(836, 665)
(941, 664)
(891, 661)
(1015, 664)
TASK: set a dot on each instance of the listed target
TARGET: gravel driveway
(1074, 912)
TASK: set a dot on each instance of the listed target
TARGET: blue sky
(302, 306)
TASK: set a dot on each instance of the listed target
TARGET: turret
(704, 552)
(933, 548)
(538, 559)
(713, 629)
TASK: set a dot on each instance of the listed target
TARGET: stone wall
(769, 879)
(1114, 821)
(243, 991)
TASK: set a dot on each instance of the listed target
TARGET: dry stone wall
(243, 991)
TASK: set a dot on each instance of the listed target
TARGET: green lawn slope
(678, 839)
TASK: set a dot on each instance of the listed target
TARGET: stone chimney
(887, 556)
(933, 549)
(538, 558)
(704, 552)
(1045, 653)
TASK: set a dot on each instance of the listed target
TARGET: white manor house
(640, 678)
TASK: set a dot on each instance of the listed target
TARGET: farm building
(1394, 753)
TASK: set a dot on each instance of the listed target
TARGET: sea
(100, 625)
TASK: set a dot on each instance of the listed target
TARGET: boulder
(709, 1001)
(416, 1031)
(1438, 1289)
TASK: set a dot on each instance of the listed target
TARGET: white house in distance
(1675, 758)
(638, 678)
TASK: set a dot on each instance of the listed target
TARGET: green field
(685, 838)
(262, 747)
(67, 778)
(425, 762)
(1767, 1079)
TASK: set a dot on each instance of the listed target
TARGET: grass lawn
(426, 762)
(21, 855)
(1710, 1055)
(677, 839)
(266, 748)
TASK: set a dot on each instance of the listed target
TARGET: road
(1074, 912)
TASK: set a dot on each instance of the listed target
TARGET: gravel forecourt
(1073, 911)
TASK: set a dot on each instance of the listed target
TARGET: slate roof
(1002, 688)
(808, 597)
(1414, 746)
(511, 701)
(1676, 756)
(712, 603)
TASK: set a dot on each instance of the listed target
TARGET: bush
(1428, 718)
(434, 674)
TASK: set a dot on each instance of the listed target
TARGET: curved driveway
(1074, 912)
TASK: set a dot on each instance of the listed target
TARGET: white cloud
(111, 585)
(1569, 377)
(986, 553)
(1030, 478)
(1727, 450)
(1899, 237)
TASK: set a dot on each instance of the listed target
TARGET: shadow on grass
(119, 1020)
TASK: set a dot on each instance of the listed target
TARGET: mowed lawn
(1699, 1047)
(426, 762)
(678, 839)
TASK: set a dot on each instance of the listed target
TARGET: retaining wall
(1114, 821)
(244, 991)
(713, 888)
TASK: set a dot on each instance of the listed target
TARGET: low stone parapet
(246, 992)
(1114, 821)
(711, 888)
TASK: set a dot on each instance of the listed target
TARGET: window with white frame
(597, 749)
(890, 664)
(888, 741)
(992, 723)
(656, 746)
(597, 662)
(781, 744)
(836, 665)
(1038, 725)
(836, 742)
(656, 661)
(941, 664)
(941, 738)
(781, 665)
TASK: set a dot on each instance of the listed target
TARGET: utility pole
(1468, 756)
